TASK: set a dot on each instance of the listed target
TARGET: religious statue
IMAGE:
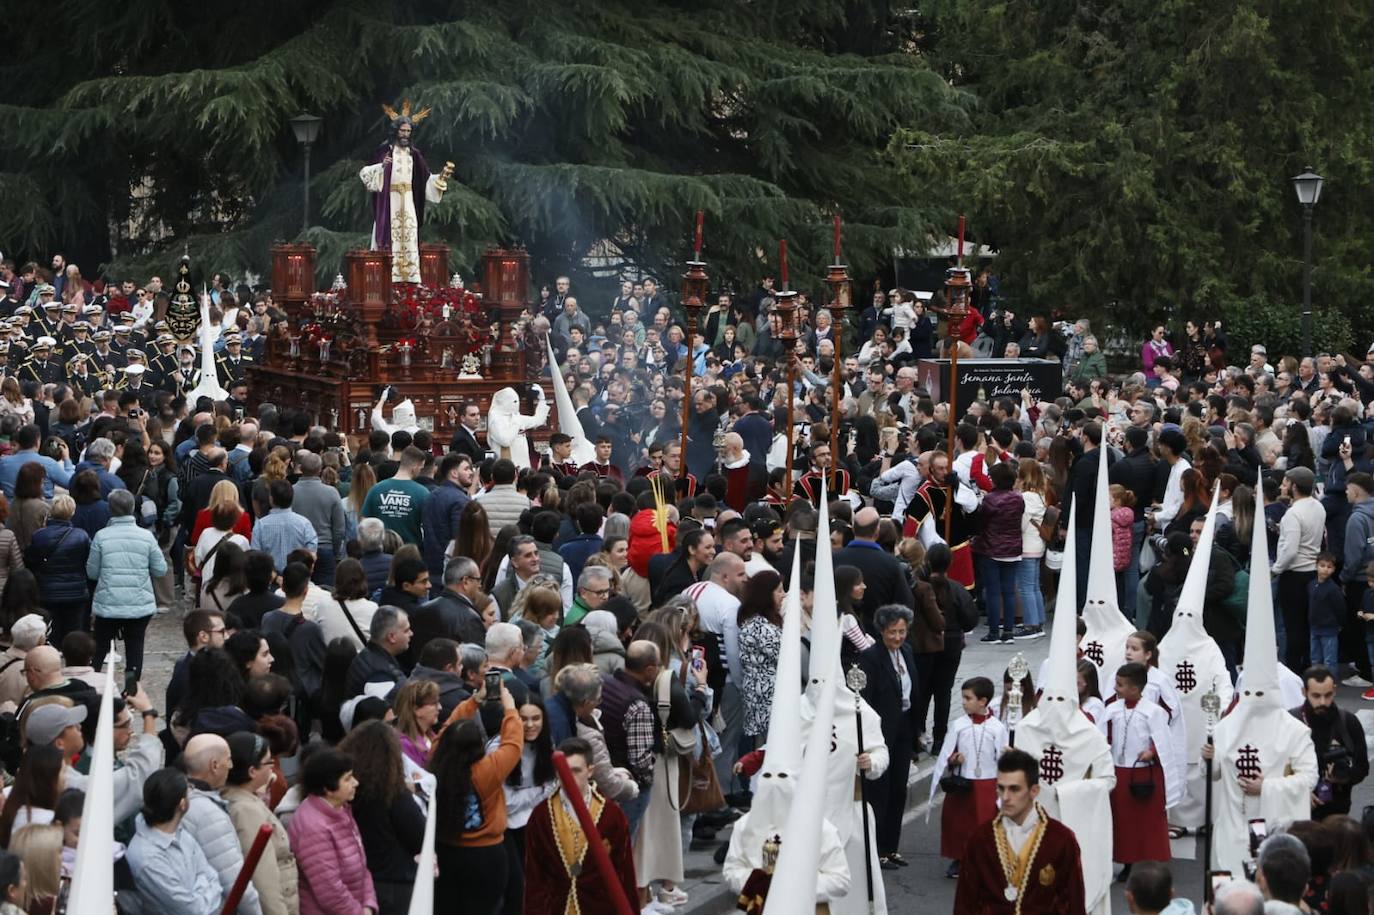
(401, 185)
(506, 426)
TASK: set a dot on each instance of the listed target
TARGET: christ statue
(401, 185)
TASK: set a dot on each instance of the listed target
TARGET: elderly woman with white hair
(123, 561)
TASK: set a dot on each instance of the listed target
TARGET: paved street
(923, 888)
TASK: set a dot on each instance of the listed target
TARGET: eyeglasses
(603, 592)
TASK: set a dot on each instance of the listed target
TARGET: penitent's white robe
(842, 809)
(1076, 777)
(405, 223)
(833, 880)
(1193, 664)
(1279, 746)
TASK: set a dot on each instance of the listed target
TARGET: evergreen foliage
(1132, 160)
(139, 127)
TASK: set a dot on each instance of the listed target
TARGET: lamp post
(1308, 186)
(306, 127)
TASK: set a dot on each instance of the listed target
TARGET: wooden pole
(595, 847)
(953, 398)
(787, 312)
(250, 864)
(687, 389)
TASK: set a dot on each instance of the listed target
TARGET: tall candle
(701, 218)
(837, 238)
(782, 262)
(961, 239)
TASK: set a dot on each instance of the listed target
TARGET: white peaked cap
(1194, 592)
(1101, 610)
(1062, 678)
(422, 894)
(825, 620)
(793, 889)
(583, 451)
(92, 877)
(1261, 649)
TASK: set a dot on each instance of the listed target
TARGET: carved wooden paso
(293, 275)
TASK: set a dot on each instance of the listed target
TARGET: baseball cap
(1302, 477)
(47, 722)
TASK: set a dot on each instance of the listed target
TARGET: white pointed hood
(776, 785)
(583, 451)
(209, 377)
(422, 894)
(1104, 642)
(1261, 687)
(793, 889)
(1186, 633)
(92, 877)
(1057, 712)
(825, 621)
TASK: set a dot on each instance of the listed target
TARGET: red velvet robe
(547, 881)
(1054, 886)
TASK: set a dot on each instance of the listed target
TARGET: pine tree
(1132, 161)
(577, 128)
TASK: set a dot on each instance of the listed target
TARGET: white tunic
(405, 224)
(981, 745)
(833, 879)
(1132, 731)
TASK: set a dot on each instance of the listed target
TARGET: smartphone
(1258, 833)
(130, 682)
(698, 656)
(492, 679)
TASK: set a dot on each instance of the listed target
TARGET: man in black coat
(465, 436)
(883, 575)
(452, 614)
(1338, 738)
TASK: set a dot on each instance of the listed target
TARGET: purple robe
(381, 202)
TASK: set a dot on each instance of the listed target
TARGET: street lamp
(1308, 186)
(306, 127)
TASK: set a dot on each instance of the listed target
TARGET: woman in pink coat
(334, 879)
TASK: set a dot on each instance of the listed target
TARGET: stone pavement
(703, 884)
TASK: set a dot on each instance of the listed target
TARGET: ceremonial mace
(786, 306)
(1211, 707)
(694, 283)
(856, 680)
(841, 290)
(1017, 670)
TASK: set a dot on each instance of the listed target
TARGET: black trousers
(515, 880)
(887, 796)
(1293, 603)
(471, 879)
(1352, 643)
(73, 616)
(131, 631)
(944, 667)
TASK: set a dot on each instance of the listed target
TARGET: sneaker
(991, 637)
(1036, 632)
(1024, 632)
(952, 872)
(1006, 637)
(1357, 681)
(673, 897)
(1368, 694)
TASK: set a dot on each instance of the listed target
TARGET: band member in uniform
(122, 339)
(164, 362)
(80, 378)
(79, 342)
(186, 375)
(925, 516)
(232, 365)
(41, 367)
(45, 321)
(671, 470)
(105, 360)
(602, 465)
(1023, 861)
(808, 487)
(133, 383)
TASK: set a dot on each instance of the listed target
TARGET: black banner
(988, 379)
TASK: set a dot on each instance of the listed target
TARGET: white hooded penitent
(1104, 642)
(209, 377)
(506, 425)
(777, 783)
(93, 876)
(1259, 737)
(1076, 770)
(1190, 660)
